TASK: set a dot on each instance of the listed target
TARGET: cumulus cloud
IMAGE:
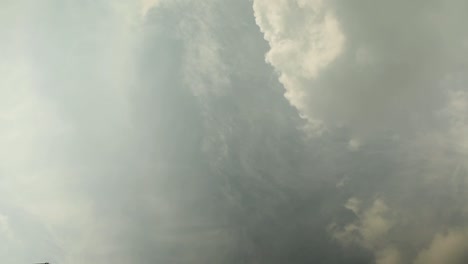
(356, 63)
(393, 88)
(304, 37)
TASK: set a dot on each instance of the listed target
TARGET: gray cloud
(185, 132)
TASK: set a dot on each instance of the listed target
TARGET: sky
(227, 131)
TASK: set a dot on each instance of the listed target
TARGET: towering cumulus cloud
(386, 72)
(226, 131)
(364, 64)
(305, 37)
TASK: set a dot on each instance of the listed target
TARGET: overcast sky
(234, 131)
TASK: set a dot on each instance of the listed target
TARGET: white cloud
(372, 226)
(355, 64)
(449, 247)
(147, 5)
(388, 256)
(304, 38)
(370, 230)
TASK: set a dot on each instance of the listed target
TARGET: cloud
(372, 227)
(168, 138)
(305, 38)
(147, 5)
(449, 247)
(372, 72)
(388, 256)
(52, 109)
(389, 90)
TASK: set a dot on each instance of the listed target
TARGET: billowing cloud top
(224, 131)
